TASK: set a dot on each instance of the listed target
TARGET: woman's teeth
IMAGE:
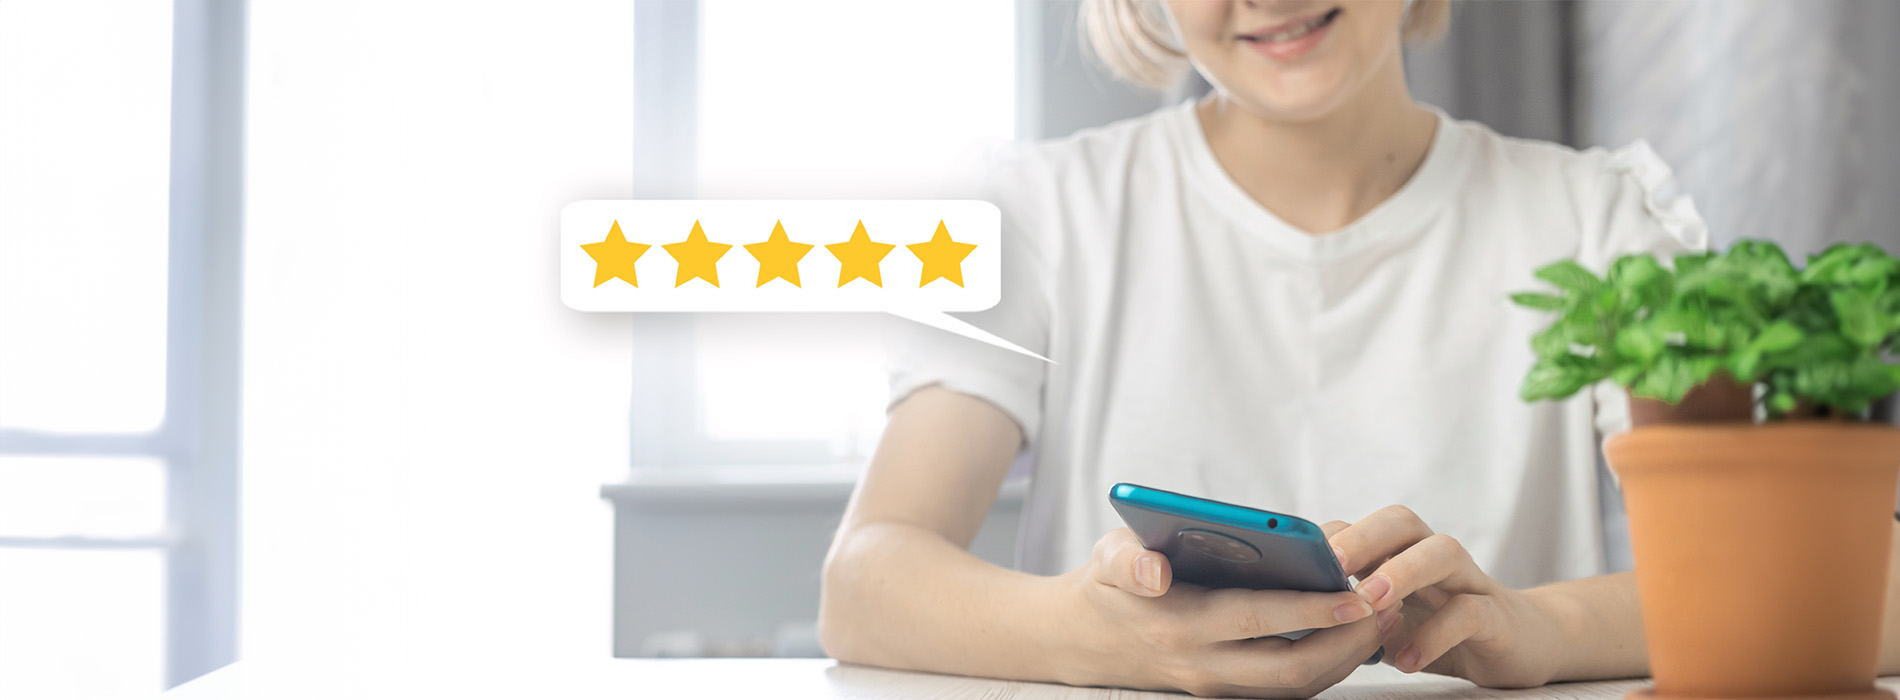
(1299, 31)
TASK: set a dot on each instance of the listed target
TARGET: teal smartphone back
(1222, 545)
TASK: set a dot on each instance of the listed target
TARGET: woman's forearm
(902, 596)
(1603, 624)
(1890, 631)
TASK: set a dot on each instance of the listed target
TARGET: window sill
(769, 484)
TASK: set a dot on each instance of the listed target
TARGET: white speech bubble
(604, 273)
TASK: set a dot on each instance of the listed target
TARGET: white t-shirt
(1202, 345)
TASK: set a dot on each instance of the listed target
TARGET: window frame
(197, 440)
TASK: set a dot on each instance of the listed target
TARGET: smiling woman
(1286, 294)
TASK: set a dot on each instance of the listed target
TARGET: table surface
(778, 679)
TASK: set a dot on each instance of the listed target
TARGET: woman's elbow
(839, 628)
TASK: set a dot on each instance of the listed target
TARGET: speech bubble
(915, 259)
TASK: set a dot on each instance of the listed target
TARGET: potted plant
(1760, 499)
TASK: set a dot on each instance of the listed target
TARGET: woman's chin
(1288, 105)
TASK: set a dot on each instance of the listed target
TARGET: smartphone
(1222, 545)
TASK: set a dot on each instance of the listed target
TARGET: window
(106, 585)
(824, 118)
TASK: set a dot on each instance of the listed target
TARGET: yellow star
(778, 256)
(943, 258)
(614, 257)
(697, 257)
(860, 256)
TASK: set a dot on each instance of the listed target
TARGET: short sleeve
(1637, 208)
(921, 356)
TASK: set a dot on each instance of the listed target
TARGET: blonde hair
(1137, 41)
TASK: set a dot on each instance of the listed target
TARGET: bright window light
(84, 166)
(843, 98)
(848, 97)
(81, 496)
(791, 377)
(81, 623)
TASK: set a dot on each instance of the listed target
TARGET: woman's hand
(1130, 625)
(1458, 620)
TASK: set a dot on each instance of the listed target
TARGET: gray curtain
(1506, 64)
(1776, 114)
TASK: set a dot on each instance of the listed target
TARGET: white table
(776, 679)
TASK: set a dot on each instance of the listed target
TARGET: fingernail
(1340, 554)
(1349, 612)
(1375, 588)
(1387, 618)
(1148, 574)
(1408, 659)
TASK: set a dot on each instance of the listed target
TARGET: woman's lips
(1291, 48)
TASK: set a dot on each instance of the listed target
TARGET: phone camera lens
(1273, 523)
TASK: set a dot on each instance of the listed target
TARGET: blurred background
(283, 370)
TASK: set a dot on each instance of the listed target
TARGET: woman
(1290, 295)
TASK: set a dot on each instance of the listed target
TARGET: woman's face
(1294, 60)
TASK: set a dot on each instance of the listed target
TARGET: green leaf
(1781, 402)
(1640, 342)
(1836, 264)
(1626, 373)
(1569, 275)
(1581, 328)
(1689, 263)
(1607, 301)
(1552, 381)
(1778, 336)
(1668, 380)
(1860, 321)
(1541, 302)
(1869, 378)
(1745, 363)
(1552, 342)
(1634, 271)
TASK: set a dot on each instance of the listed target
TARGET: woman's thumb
(1122, 562)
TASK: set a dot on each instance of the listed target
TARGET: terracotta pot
(1761, 553)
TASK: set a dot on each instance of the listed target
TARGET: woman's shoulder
(1625, 199)
(1548, 162)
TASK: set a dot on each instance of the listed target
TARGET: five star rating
(778, 257)
(781, 255)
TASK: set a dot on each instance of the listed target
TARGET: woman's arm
(903, 540)
(1461, 622)
(1601, 625)
(1890, 630)
(900, 591)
